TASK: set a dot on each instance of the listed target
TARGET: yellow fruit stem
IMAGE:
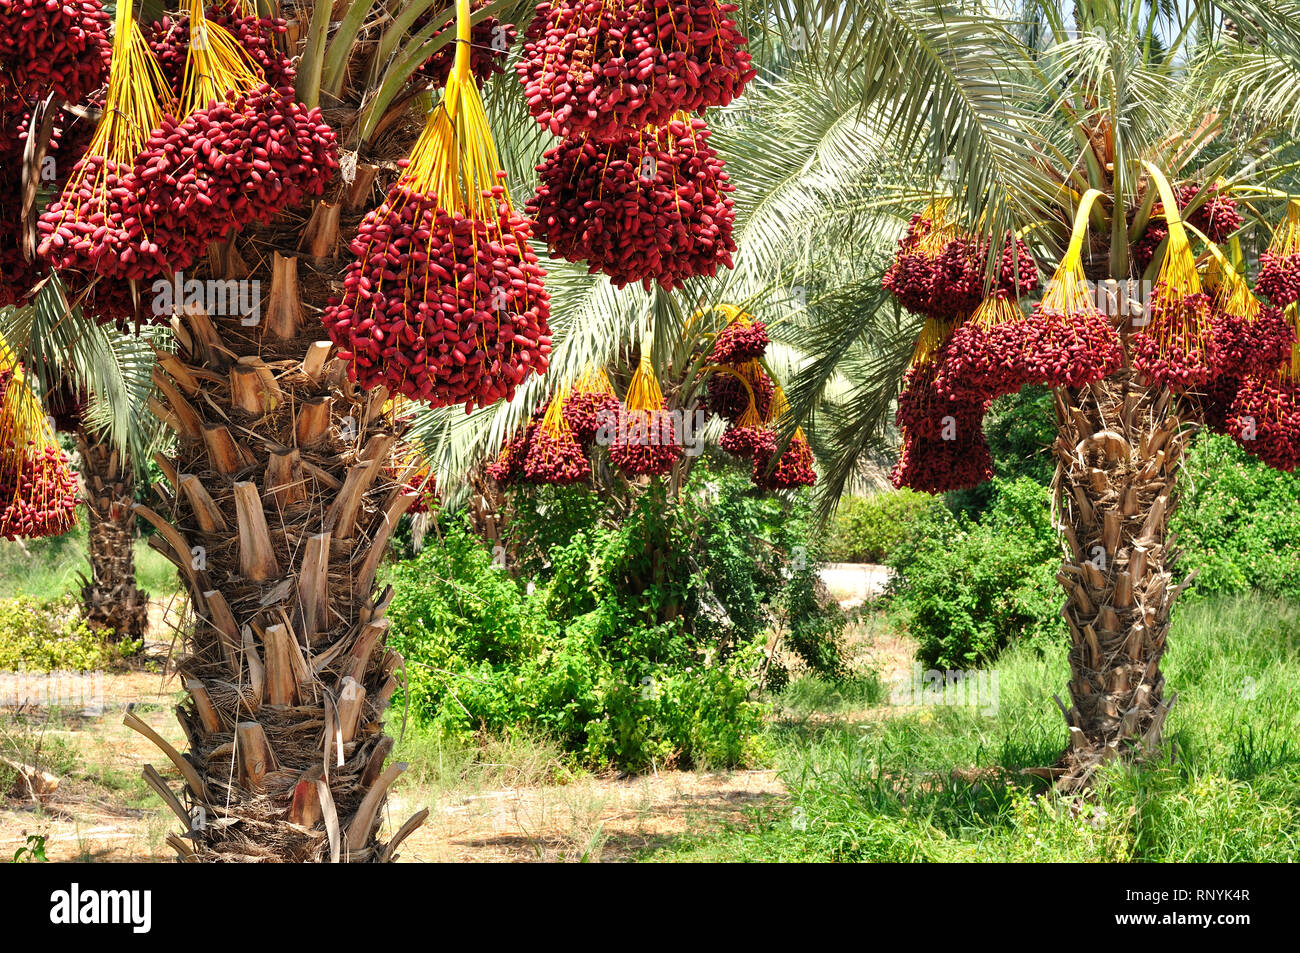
(217, 66)
(994, 310)
(553, 421)
(137, 99)
(643, 393)
(933, 334)
(594, 380)
(1286, 237)
(25, 431)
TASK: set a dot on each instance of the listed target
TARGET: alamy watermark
(221, 298)
(75, 690)
(666, 428)
(962, 688)
(1130, 298)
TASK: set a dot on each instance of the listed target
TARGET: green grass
(48, 568)
(883, 789)
(809, 694)
(439, 764)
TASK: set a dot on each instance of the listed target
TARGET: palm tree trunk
(113, 602)
(282, 510)
(1118, 452)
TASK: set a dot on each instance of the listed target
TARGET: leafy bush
(543, 518)
(1238, 521)
(631, 630)
(609, 686)
(756, 561)
(48, 636)
(968, 589)
(867, 529)
(602, 655)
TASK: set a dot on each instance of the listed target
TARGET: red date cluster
(440, 306)
(508, 467)
(959, 278)
(109, 302)
(39, 497)
(235, 161)
(645, 443)
(69, 135)
(604, 68)
(938, 466)
(490, 42)
(746, 442)
(586, 412)
(17, 274)
(655, 207)
(1251, 347)
(1217, 216)
(739, 342)
(729, 398)
(950, 285)
(1144, 249)
(51, 46)
(794, 468)
(1176, 349)
(924, 413)
(911, 276)
(943, 440)
(38, 490)
(259, 36)
(425, 493)
(195, 182)
(65, 405)
(1265, 421)
(98, 226)
(1069, 349)
(556, 458)
(1217, 397)
(983, 360)
(1279, 278)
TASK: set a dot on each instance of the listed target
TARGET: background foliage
(636, 634)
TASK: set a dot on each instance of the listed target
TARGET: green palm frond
(57, 342)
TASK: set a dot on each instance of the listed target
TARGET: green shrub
(1238, 521)
(609, 684)
(866, 529)
(544, 518)
(630, 629)
(51, 636)
(755, 560)
(968, 589)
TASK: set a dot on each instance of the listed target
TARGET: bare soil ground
(103, 811)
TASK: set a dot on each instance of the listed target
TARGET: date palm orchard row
(221, 370)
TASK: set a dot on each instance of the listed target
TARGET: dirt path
(103, 810)
(589, 819)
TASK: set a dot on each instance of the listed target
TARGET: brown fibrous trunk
(1117, 452)
(280, 510)
(113, 602)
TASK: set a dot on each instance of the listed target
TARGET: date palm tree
(872, 107)
(1017, 118)
(280, 496)
(96, 383)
